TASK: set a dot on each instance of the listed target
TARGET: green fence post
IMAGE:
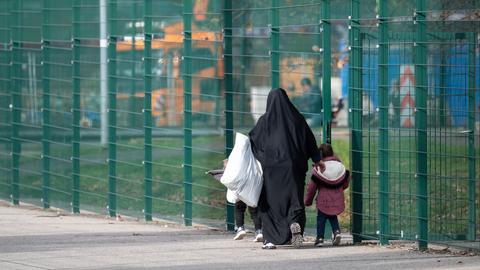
(45, 111)
(383, 122)
(318, 56)
(133, 56)
(147, 110)
(355, 99)
(326, 78)
(275, 44)
(16, 118)
(243, 67)
(326, 72)
(16, 109)
(472, 221)
(421, 124)
(112, 109)
(187, 113)
(76, 109)
(9, 75)
(227, 44)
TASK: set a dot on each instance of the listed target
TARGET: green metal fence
(5, 100)
(120, 106)
(414, 89)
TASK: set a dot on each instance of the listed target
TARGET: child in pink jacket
(329, 182)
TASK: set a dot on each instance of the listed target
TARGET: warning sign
(407, 97)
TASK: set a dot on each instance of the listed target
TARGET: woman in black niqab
(282, 142)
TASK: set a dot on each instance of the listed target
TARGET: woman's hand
(320, 165)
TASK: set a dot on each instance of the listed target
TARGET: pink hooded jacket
(330, 185)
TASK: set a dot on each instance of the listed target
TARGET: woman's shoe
(269, 246)
(297, 238)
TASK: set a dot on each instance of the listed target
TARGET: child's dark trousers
(240, 208)
(322, 220)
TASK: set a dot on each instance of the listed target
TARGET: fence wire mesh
(415, 73)
(120, 106)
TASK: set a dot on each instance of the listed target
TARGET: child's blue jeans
(322, 219)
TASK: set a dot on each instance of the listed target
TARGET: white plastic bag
(243, 174)
(231, 197)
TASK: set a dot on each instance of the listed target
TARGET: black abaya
(282, 142)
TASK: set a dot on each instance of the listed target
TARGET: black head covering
(282, 132)
(281, 110)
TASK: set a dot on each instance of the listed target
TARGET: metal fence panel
(5, 99)
(121, 106)
(89, 97)
(419, 102)
(56, 110)
(27, 101)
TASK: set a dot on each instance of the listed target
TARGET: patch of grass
(447, 186)
(208, 195)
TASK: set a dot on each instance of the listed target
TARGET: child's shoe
(336, 238)
(258, 236)
(318, 242)
(297, 237)
(240, 233)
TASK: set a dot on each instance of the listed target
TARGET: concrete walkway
(31, 238)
